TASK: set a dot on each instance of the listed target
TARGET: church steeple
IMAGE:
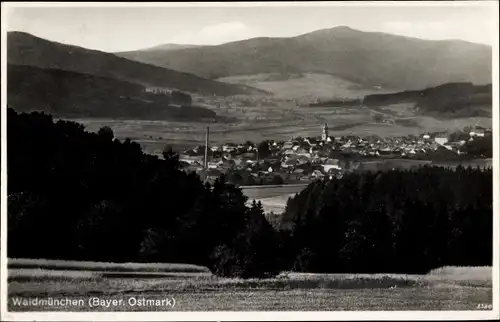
(324, 134)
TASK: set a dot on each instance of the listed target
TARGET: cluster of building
(310, 158)
(157, 90)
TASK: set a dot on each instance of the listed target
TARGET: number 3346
(483, 306)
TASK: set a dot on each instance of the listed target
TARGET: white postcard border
(268, 315)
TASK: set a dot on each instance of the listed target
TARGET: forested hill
(70, 94)
(26, 49)
(446, 98)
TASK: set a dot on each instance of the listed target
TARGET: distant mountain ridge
(171, 47)
(163, 47)
(367, 58)
(160, 50)
(26, 49)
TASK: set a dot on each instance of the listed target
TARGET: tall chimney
(206, 147)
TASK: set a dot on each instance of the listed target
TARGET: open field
(408, 164)
(443, 289)
(63, 265)
(397, 110)
(274, 204)
(272, 198)
(307, 86)
(22, 274)
(268, 191)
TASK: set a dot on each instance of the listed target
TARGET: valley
(278, 123)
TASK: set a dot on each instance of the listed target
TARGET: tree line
(396, 221)
(446, 98)
(87, 196)
(78, 195)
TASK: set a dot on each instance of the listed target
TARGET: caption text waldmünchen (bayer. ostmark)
(95, 302)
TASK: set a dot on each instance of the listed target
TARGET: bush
(106, 133)
(263, 149)
(277, 180)
(225, 262)
(181, 98)
(303, 260)
(378, 117)
(253, 252)
(479, 147)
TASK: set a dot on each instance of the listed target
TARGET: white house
(190, 159)
(228, 148)
(213, 165)
(328, 167)
(441, 140)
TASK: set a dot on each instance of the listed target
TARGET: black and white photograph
(232, 161)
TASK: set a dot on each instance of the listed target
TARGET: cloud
(217, 34)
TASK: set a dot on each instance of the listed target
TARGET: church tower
(324, 134)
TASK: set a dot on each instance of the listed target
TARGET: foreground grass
(444, 289)
(196, 289)
(180, 282)
(17, 263)
(40, 275)
(415, 298)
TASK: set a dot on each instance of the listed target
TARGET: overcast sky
(120, 29)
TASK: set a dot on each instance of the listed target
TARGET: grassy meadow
(305, 87)
(449, 288)
(65, 265)
(276, 204)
